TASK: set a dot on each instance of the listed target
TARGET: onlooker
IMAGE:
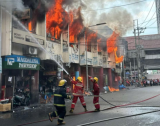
(148, 82)
(151, 82)
(144, 83)
(158, 81)
(128, 83)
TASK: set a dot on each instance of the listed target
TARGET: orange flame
(92, 37)
(54, 19)
(118, 59)
(76, 24)
(99, 47)
(57, 20)
(111, 42)
(112, 47)
(111, 89)
(30, 26)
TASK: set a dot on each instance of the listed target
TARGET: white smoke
(12, 4)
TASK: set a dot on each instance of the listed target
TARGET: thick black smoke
(38, 8)
(41, 7)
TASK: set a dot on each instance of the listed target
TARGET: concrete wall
(41, 29)
(6, 33)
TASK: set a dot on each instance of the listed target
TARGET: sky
(151, 27)
(99, 11)
(136, 11)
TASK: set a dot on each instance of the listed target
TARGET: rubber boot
(71, 111)
(61, 123)
(85, 109)
(50, 117)
(97, 110)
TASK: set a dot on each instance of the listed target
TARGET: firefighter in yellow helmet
(95, 92)
(78, 93)
(59, 103)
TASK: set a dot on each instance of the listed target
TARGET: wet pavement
(39, 112)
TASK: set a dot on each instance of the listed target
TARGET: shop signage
(100, 62)
(25, 38)
(50, 73)
(21, 62)
(95, 61)
(82, 60)
(74, 54)
(89, 61)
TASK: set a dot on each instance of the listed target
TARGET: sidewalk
(68, 102)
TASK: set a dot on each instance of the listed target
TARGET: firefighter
(78, 93)
(95, 92)
(59, 103)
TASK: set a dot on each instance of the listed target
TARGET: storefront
(20, 72)
(49, 77)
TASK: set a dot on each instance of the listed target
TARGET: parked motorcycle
(21, 98)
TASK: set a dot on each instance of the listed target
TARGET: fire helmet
(62, 83)
(96, 79)
(79, 79)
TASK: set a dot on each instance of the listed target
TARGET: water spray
(35, 40)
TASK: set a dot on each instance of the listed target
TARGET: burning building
(50, 34)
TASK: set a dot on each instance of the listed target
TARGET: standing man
(78, 93)
(95, 92)
(59, 103)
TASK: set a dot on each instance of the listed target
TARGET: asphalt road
(117, 98)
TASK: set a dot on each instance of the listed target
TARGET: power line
(153, 23)
(128, 26)
(149, 12)
(118, 6)
(151, 18)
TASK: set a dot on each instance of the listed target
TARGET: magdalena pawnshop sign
(20, 62)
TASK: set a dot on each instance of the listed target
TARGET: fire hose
(114, 106)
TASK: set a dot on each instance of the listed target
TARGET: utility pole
(134, 70)
(0, 49)
(86, 59)
(139, 30)
(124, 74)
(131, 70)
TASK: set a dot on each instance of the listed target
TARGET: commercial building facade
(33, 59)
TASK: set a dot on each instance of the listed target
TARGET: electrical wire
(118, 6)
(153, 23)
(151, 18)
(126, 27)
(149, 12)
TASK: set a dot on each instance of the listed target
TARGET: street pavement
(126, 96)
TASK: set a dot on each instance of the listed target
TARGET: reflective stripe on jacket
(59, 97)
(78, 89)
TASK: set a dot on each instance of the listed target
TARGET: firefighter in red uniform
(95, 92)
(78, 93)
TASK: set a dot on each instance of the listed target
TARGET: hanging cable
(151, 18)
(117, 6)
(152, 23)
(148, 12)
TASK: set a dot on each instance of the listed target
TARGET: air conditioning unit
(30, 51)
